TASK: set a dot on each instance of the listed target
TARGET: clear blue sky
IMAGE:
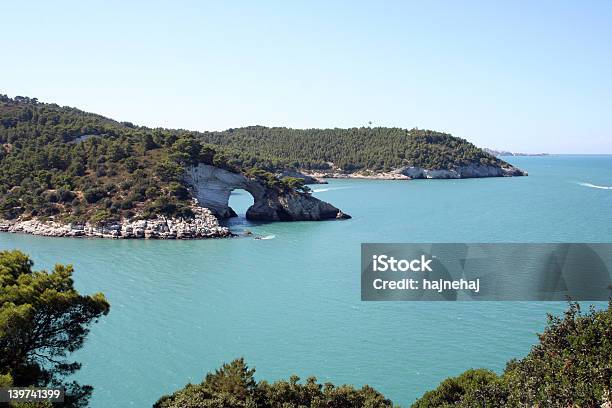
(526, 76)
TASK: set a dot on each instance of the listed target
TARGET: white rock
(203, 225)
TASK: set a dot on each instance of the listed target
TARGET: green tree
(169, 171)
(149, 142)
(571, 366)
(234, 386)
(189, 147)
(473, 388)
(295, 183)
(42, 320)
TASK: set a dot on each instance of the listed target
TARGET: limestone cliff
(292, 207)
(471, 171)
(414, 172)
(212, 186)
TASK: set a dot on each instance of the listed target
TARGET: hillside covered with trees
(376, 149)
(72, 165)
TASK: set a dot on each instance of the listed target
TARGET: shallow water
(291, 303)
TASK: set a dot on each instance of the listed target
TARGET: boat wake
(320, 190)
(272, 236)
(596, 186)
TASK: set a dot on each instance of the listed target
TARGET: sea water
(290, 303)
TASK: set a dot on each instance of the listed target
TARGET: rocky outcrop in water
(212, 186)
(203, 225)
(292, 207)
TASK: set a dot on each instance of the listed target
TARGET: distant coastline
(413, 172)
(505, 153)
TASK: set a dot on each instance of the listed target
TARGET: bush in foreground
(571, 367)
(234, 386)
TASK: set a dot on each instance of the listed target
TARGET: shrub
(170, 171)
(234, 385)
(570, 367)
(65, 195)
(93, 195)
(101, 217)
(179, 191)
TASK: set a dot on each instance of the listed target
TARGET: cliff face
(471, 171)
(212, 186)
(293, 207)
(415, 172)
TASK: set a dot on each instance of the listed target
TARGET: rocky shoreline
(411, 172)
(211, 187)
(203, 225)
(215, 194)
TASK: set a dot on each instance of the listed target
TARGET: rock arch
(212, 187)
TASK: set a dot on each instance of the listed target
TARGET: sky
(525, 76)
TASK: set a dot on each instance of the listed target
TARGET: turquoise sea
(291, 303)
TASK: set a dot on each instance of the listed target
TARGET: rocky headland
(211, 188)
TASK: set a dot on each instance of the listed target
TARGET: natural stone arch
(212, 187)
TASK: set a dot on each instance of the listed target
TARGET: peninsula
(66, 172)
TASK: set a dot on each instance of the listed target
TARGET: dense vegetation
(234, 386)
(67, 164)
(43, 319)
(571, 367)
(58, 161)
(357, 149)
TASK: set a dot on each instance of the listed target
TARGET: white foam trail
(268, 237)
(320, 190)
(595, 186)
